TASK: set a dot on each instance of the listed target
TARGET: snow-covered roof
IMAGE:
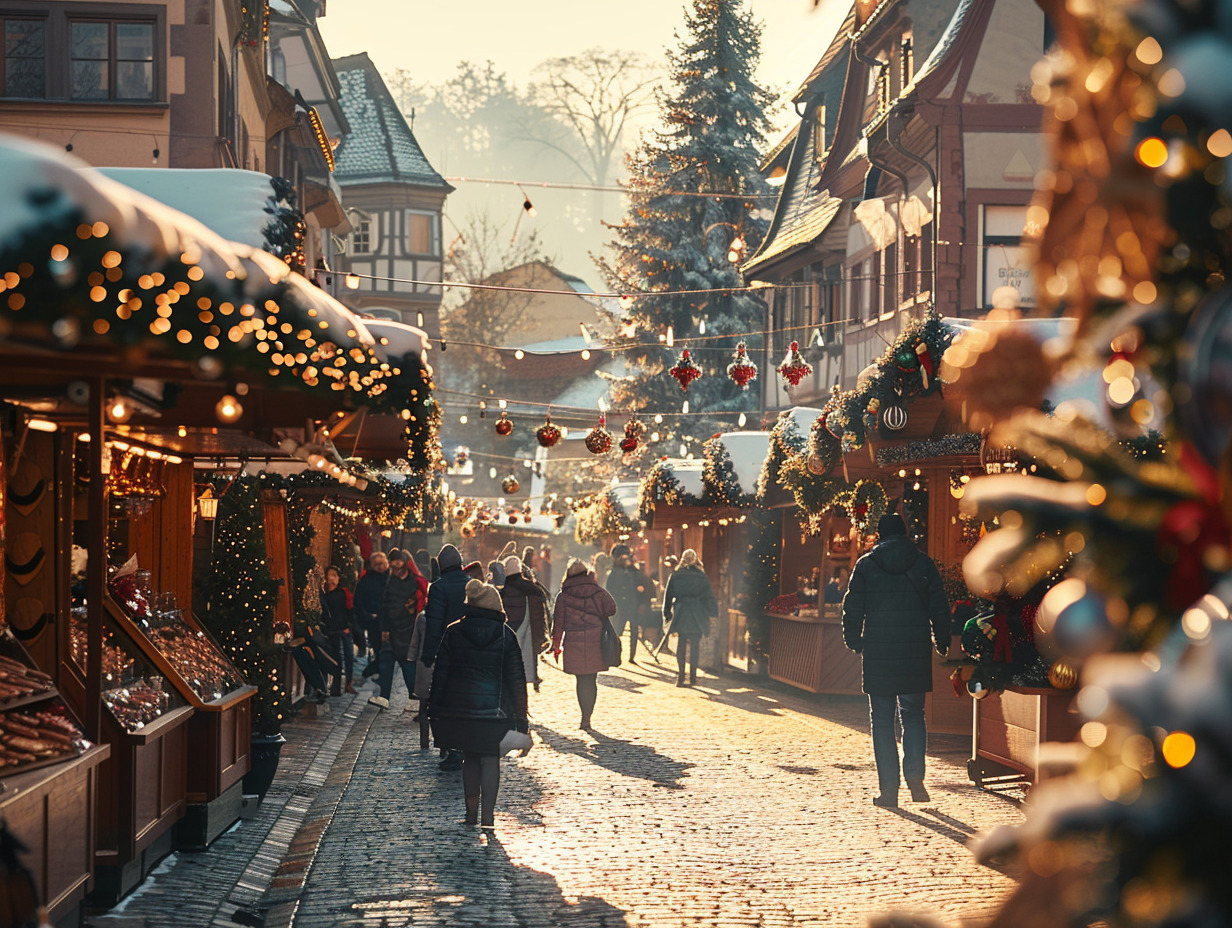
(626, 495)
(380, 146)
(688, 474)
(804, 417)
(235, 204)
(747, 451)
(586, 391)
(396, 339)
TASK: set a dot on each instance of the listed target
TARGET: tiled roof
(380, 146)
(803, 213)
(837, 45)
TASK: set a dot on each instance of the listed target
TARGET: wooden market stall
(135, 344)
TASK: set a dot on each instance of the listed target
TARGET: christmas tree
(671, 240)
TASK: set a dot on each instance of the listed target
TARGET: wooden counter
(808, 651)
(52, 812)
(1009, 728)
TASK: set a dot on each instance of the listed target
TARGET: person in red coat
(577, 623)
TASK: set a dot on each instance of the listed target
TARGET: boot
(680, 678)
(693, 677)
(472, 810)
(918, 792)
(350, 688)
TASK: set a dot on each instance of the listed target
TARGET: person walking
(577, 622)
(337, 614)
(526, 610)
(631, 589)
(368, 594)
(895, 610)
(688, 607)
(406, 594)
(478, 695)
(446, 602)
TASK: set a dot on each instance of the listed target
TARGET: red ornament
(513, 517)
(794, 368)
(510, 484)
(548, 434)
(685, 370)
(599, 439)
(742, 370)
(504, 425)
(633, 433)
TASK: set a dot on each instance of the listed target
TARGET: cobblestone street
(720, 805)
(727, 804)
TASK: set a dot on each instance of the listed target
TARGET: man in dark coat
(405, 595)
(894, 611)
(632, 591)
(446, 603)
(368, 593)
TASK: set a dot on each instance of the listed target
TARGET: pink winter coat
(578, 617)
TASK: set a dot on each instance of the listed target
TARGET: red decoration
(513, 517)
(926, 362)
(599, 439)
(794, 368)
(504, 425)
(510, 485)
(633, 433)
(685, 370)
(742, 370)
(548, 434)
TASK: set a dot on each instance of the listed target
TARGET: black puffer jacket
(894, 610)
(688, 602)
(396, 617)
(446, 603)
(632, 591)
(478, 672)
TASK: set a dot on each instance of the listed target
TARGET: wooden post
(96, 575)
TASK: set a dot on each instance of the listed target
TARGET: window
(906, 63)
(422, 233)
(111, 60)
(361, 236)
(819, 130)
(1006, 265)
(25, 58)
(883, 89)
(58, 52)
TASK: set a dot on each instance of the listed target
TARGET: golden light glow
(1220, 143)
(1151, 152)
(1179, 749)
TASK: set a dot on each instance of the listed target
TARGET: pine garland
(719, 484)
(947, 446)
(660, 486)
(599, 515)
(785, 443)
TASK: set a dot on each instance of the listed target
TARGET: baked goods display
(118, 665)
(38, 734)
(138, 704)
(132, 688)
(18, 681)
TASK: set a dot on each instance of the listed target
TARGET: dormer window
(819, 130)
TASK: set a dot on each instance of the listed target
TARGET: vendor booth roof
(91, 265)
(625, 496)
(746, 453)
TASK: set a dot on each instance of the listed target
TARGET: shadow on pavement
(627, 758)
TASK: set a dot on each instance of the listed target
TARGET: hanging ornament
(742, 370)
(894, 417)
(599, 439)
(870, 414)
(461, 455)
(510, 485)
(852, 441)
(816, 465)
(634, 430)
(1062, 675)
(548, 434)
(504, 425)
(685, 370)
(794, 368)
(513, 517)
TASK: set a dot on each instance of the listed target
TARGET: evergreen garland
(715, 125)
(598, 515)
(242, 593)
(660, 486)
(719, 484)
(785, 442)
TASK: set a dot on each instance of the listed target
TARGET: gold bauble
(815, 464)
(1062, 675)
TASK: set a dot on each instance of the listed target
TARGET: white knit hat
(483, 595)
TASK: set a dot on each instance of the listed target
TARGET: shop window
(25, 58)
(1006, 261)
(111, 60)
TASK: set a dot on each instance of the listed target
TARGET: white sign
(1008, 266)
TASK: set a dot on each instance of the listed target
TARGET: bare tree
(595, 94)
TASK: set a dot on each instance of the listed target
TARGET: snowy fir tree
(671, 240)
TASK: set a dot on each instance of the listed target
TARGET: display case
(195, 667)
(48, 772)
(1010, 726)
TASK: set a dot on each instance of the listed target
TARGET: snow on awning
(739, 455)
(625, 495)
(90, 263)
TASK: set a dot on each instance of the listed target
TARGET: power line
(628, 191)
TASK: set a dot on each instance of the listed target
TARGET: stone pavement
(729, 804)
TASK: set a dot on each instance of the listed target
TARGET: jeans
(343, 649)
(910, 708)
(386, 679)
(309, 667)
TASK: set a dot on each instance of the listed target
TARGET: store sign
(1008, 266)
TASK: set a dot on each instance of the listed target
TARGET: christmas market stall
(135, 342)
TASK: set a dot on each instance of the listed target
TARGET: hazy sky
(429, 37)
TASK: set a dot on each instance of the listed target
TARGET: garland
(598, 515)
(785, 443)
(660, 486)
(719, 484)
(948, 446)
(907, 369)
(865, 504)
(760, 580)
